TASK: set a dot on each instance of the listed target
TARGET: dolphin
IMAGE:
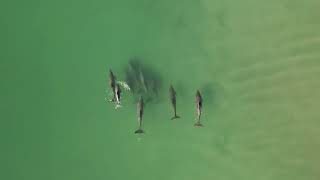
(140, 105)
(173, 100)
(112, 84)
(117, 93)
(198, 108)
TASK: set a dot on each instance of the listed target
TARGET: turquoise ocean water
(255, 62)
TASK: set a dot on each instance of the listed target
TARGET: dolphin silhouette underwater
(173, 100)
(198, 108)
(140, 106)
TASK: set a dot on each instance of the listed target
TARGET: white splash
(110, 96)
(124, 85)
(118, 106)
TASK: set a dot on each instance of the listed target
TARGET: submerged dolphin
(117, 93)
(198, 108)
(140, 114)
(112, 84)
(173, 100)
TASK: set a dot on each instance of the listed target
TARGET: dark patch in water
(212, 93)
(143, 80)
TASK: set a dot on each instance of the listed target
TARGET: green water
(255, 62)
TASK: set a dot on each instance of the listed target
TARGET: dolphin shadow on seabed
(143, 81)
(214, 93)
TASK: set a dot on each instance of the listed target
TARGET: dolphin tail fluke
(198, 124)
(175, 117)
(139, 131)
(117, 106)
